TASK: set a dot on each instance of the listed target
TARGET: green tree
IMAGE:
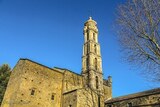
(5, 72)
(138, 26)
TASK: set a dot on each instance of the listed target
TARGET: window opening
(94, 37)
(87, 62)
(32, 92)
(52, 97)
(95, 49)
(88, 48)
(87, 35)
(109, 106)
(97, 82)
(99, 101)
(95, 63)
(129, 104)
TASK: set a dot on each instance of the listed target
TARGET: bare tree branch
(138, 23)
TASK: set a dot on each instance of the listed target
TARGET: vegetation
(138, 26)
(5, 72)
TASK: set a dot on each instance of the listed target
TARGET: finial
(90, 18)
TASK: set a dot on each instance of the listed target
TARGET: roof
(55, 68)
(91, 20)
(67, 70)
(135, 95)
(70, 91)
(40, 64)
(73, 90)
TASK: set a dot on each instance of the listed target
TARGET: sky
(50, 32)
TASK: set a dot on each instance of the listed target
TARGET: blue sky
(51, 32)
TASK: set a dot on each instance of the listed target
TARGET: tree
(138, 26)
(5, 72)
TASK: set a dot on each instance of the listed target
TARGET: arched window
(129, 104)
(87, 35)
(32, 91)
(109, 106)
(97, 82)
(87, 63)
(95, 63)
(94, 37)
(95, 48)
(99, 101)
(52, 97)
(88, 50)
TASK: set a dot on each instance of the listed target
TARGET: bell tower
(91, 59)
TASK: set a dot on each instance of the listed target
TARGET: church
(32, 84)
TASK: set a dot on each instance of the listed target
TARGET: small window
(129, 104)
(95, 48)
(87, 35)
(88, 48)
(97, 82)
(99, 101)
(95, 63)
(87, 63)
(32, 92)
(52, 97)
(94, 37)
(109, 106)
(70, 106)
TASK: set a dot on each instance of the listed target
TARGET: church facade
(34, 85)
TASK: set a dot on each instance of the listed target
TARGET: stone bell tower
(91, 59)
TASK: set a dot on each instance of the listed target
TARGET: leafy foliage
(5, 72)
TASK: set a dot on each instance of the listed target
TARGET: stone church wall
(38, 86)
(70, 99)
(9, 99)
(107, 92)
(107, 86)
(88, 98)
(72, 81)
(81, 98)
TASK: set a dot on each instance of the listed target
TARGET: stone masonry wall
(39, 86)
(9, 99)
(145, 101)
(35, 85)
(107, 92)
(72, 81)
(88, 98)
(70, 99)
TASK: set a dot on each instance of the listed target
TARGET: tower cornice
(91, 41)
(90, 28)
(92, 54)
(94, 71)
